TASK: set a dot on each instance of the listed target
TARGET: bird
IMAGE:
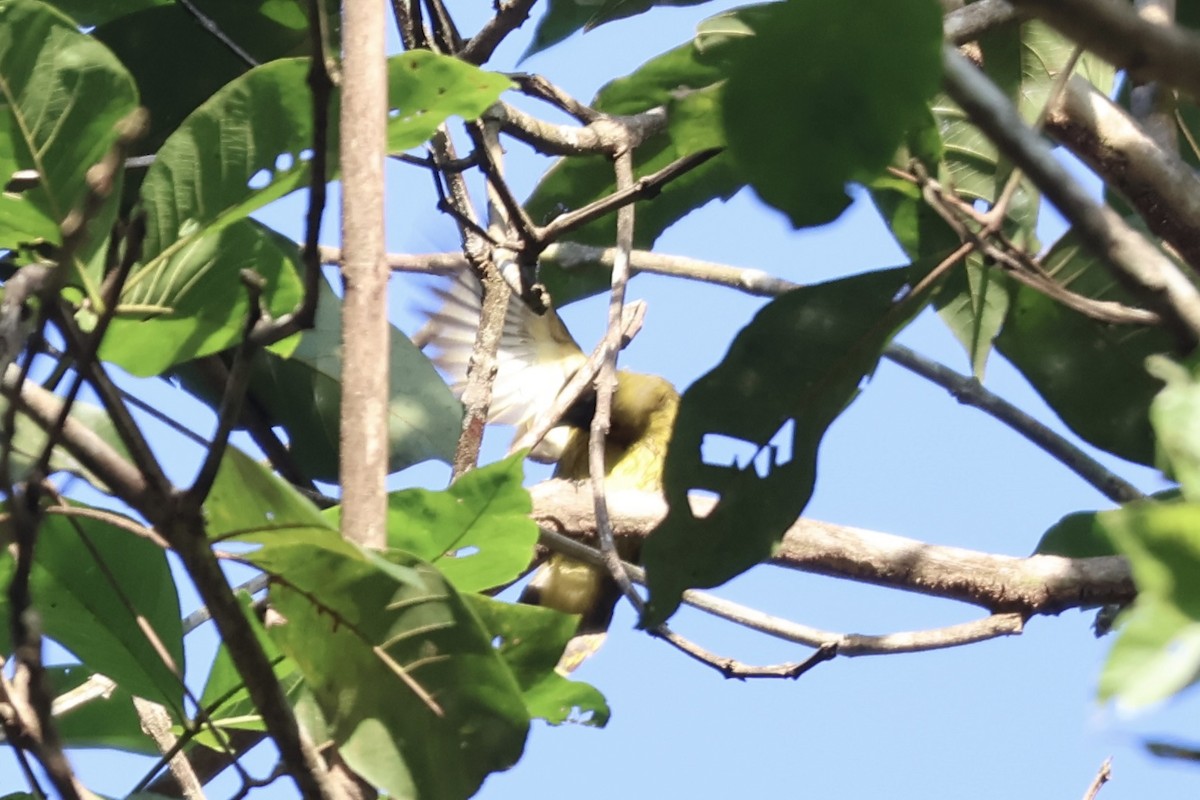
(537, 355)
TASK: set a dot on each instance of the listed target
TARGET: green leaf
(478, 532)
(179, 64)
(1158, 650)
(95, 586)
(201, 302)
(786, 377)
(414, 694)
(1091, 373)
(248, 145)
(1175, 414)
(247, 498)
(108, 721)
(62, 94)
(225, 700)
(1077, 535)
(88, 13)
(424, 88)
(565, 17)
(973, 302)
(531, 641)
(690, 90)
(303, 394)
(802, 128)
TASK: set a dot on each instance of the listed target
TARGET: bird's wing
(537, 355)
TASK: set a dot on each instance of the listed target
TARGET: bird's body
(537, 357)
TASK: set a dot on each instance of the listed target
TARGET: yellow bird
(537, 356)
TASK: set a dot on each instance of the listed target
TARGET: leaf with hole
(786, 378)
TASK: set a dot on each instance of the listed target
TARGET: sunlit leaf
(62, 94)
(1175, 414)
(416, 697)
(478, 532)
(564, 17)
(531, 641)
(1157, 652)
(200, 300)
(96, 585)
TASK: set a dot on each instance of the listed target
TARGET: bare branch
(1102, 777)
(971, 392)
(156, 723)
(606, 384)
(365, 328)
(601, 136)
(1039, 584)
(972, 21)
(509, 16)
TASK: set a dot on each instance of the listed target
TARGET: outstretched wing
(537, 354)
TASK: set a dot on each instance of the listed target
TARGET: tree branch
(1001, 584)
(1113, 30)
(1156, 181)
(1133, 260)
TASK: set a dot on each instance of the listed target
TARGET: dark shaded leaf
(802, 128)
(303, 394)
(1091, 373)
(1076, 536)
(786, 377)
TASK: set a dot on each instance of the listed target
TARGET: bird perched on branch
(536, 358)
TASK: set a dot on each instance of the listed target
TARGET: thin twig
(606, 384)
(1103, 776)
(231, 400)
(644, 187)
(509, 16)
(970, 391)
(210, 25)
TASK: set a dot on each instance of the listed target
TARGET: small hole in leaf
(260, 179)
(284, 162)
(497, 642)
(306, 154)
(393, 113)
(463, 552)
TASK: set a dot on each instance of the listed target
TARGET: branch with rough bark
(1040, 584)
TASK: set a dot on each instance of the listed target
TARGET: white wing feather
(537, 355)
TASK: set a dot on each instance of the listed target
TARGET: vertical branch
(606, 381)
(365, 275)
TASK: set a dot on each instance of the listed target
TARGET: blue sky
(1008, 718)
